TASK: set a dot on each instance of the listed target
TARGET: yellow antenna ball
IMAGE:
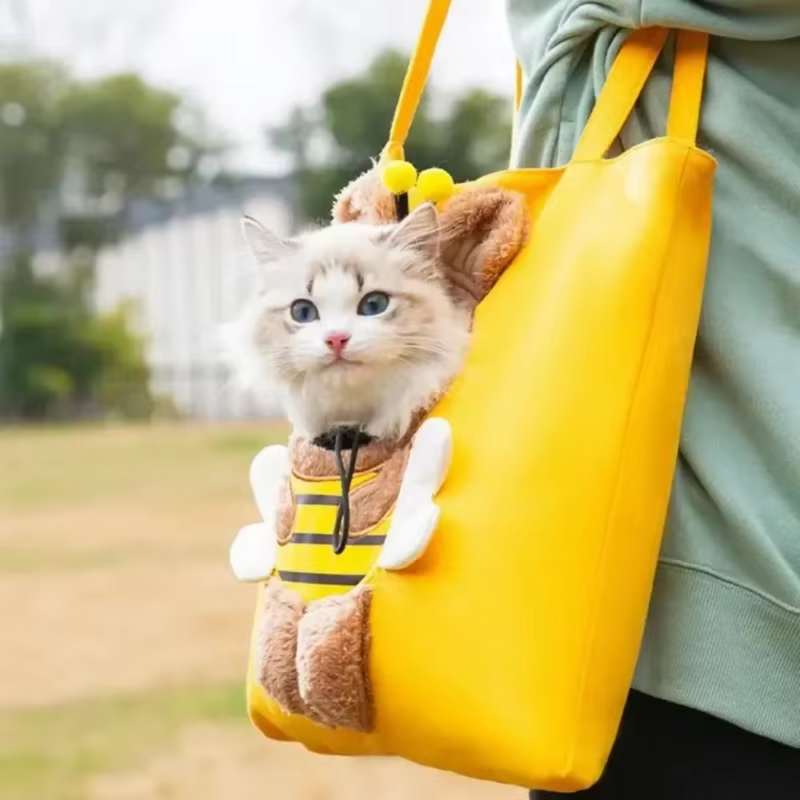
(399, 176)
(435, 184)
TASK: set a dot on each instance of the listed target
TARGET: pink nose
(337, 342)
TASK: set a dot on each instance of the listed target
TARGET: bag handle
(691, 61)
(416, 77)
(627, 78)
(624, 84)
(518, 89)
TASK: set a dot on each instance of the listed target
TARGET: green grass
(54, 466)
(16, 560)
(50, 754)
(57, 477)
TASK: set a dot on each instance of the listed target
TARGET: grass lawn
(89, 517)
(55, 752)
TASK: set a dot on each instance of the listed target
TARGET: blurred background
(132, 138)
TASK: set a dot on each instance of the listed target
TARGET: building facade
(187, 272)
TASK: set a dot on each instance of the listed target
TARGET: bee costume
(496, 627)
(343, 506)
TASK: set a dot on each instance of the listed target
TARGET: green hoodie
(723, 634)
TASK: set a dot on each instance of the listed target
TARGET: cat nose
(337, 342)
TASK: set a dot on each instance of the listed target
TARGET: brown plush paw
(333, 661)
(277, 646)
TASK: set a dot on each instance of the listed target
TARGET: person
(715, 707)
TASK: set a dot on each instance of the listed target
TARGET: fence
(187, 275)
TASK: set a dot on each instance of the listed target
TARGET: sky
(247, 62)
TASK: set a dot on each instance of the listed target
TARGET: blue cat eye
(303, 311)
(373, 304)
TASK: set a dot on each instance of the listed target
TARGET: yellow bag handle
(691, 60)
(625, 82)
(517, 86)
(627, 78)
(416, 76)
(518, 81)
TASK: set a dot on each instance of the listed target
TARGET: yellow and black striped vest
(307, 562)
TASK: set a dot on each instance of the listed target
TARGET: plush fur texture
(365, 199)
(394, 361)
(314, 661)
(482, 229)
(277, 646)
(284, 517)
(310, 461)
(333, 661)
(371, 502)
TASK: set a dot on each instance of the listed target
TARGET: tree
(57, 358)
(89, 148)
(76, 154)
(31, 98)
(331, 142)
(129, 137)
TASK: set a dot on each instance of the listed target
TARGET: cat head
(354, 323)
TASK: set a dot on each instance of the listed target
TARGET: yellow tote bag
(506, 653)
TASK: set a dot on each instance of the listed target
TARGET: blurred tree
(294, 137)
(57, 358)
(89, 148)
(31, 98)
(77, 154)
(127, 137)
(123, 385)
(332, 142)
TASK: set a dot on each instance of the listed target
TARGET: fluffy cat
(354, 325)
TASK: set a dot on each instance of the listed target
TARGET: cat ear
(263, 243)
(418, 231)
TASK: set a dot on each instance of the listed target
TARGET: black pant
(670, 752)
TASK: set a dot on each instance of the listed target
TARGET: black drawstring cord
(341, 529)
(340, 439)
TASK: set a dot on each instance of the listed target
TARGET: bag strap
(626, 79)
(518, 88)
(416, 76)
(624, 84)
(691, 60)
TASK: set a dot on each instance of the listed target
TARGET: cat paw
(416, 515)
(252, 554)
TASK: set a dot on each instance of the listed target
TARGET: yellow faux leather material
(506, 653)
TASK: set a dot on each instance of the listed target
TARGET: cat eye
(373, 304)
(303, 311)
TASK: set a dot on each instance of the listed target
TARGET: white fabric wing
(252, 554)
(416, 515)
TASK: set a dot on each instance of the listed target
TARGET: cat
(354, 325)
